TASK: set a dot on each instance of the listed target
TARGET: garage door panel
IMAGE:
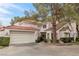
(22, 37)
(21, 32)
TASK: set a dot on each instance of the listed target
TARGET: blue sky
(9, 10)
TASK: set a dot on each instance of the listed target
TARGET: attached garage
(21, 37)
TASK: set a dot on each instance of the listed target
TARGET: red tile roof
(21, 28)
(2, 28)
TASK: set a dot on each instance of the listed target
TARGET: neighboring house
(64, 29)
(22, 32)
(2, 32)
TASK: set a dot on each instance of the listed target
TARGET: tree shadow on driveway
(24, 44)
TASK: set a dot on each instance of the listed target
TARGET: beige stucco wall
(48, 25)
(60, 34)
(73, 32)
(4, 33)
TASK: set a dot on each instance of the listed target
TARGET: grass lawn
(1, 47)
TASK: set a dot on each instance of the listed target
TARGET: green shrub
(4, 41)
(67, 39)
(77, 39)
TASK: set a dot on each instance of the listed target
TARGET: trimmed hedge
(77, 39)
(4, 41)
(67, 39)
(40, 39)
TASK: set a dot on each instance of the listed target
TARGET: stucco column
(74, 37)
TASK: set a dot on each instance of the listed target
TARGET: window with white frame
(44, 26)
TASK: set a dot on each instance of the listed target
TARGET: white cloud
(5, 21)
(2, 15)
(17, 7)
(11, 5)
(4, 11)
(5, 6)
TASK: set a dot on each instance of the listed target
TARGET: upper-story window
(44, 26)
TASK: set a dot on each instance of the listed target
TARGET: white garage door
(21, 37)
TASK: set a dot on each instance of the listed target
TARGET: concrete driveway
(41, 49)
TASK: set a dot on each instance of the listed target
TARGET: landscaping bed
(67, 39)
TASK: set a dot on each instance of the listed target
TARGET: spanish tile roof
(21, 28)
(2, 28)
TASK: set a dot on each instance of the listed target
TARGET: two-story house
(63, 29)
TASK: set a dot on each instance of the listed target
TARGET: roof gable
(65, 28)
(58, 26)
